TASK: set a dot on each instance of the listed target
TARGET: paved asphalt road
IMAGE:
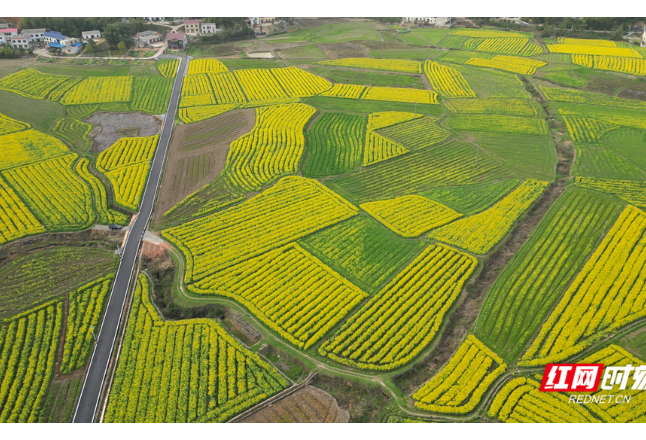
(96, 374)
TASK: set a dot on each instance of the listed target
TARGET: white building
(192, 27)
(91, 35)
(146, 38)
(153, 18)
(6, 34)
(208, 28)
(436, 21)
(643, 42)
(35, 34)
(21, 42)
(53, 37)
(254, 21)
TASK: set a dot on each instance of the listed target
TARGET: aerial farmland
(376, 222)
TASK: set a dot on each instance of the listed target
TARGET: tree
(116, 33)
(6, 52)
(121, 45)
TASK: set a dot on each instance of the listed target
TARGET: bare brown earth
(307, 405)
(632, 94)
(198, 153)
(108, 127)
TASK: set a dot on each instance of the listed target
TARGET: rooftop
(58, 45)
(92, 32)
(146, 34)
(175, 36)
(33, 31)
(54, 34)
(6, 31)
(191, 21)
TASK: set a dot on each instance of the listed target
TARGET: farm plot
(362, 250)
(377, 147)
(611, 411)
(400, 95)
(345, 91)
(531, 155)
(259, 84)
(493, 84)
(334, 144)
(415, 134)
(520, 401)
(298, 83)
(487, 33)
(75, 132)
(586, 130)
(419, 171)
(54, 193)
(33, 84)
(447, 81)
(481, 232)
(292, 208)
(10, 125)
(498, 106)
(271, 150)
(459, 386)
(197, 155)
(583, 97)
(603, 163)
(410, 216)
(167, 68)
(523, 66)
(86, 306)
(126, 165)
(623, 64)
(407, 66)
(97, 90)
(401, 320)
(208, 65)
(584, 49)
(509, 46)
(16, 221)
(106, 214)
(471, 199)
(28, 345)
(606, 295)
(535, 279)
(184, 371)
(498, 124)
(151, 94)
(311, 299)
(629, 190)
(196, 114)
(34, 278)
(27, 146)
(226, 88)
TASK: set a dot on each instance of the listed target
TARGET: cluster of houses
(30, 38)
(435, 21)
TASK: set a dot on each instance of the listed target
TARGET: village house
(21, 42)
(35, 34)
(53, 37)
(192, 27)
(435, 21)
(176, 40)
(208, 28)
(91, 35)
(153, 19)
(6, 34)
(255, 21)
(146, 38)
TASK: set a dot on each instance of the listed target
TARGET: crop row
(523, 66)
(167, 68)
(481, 232)
(377, 147)
(16, 221)
(490, 106)
(10, 125)
(151, 94)
(586, 42)
(93, 90)
(290, 209)
(583, 97)
(27, 353)
(416, 134)
(106, 214)
(604, 296)
(33, 84)
(586, 130)
(459, 386)
(510, 46)
(410, 216)
(206, 65)
(400, 321)
(184, 371)
(498, 124)
(74, 131)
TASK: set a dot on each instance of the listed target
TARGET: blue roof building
(53, 37)
(56, 45)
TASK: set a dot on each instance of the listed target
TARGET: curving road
(96, 374)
